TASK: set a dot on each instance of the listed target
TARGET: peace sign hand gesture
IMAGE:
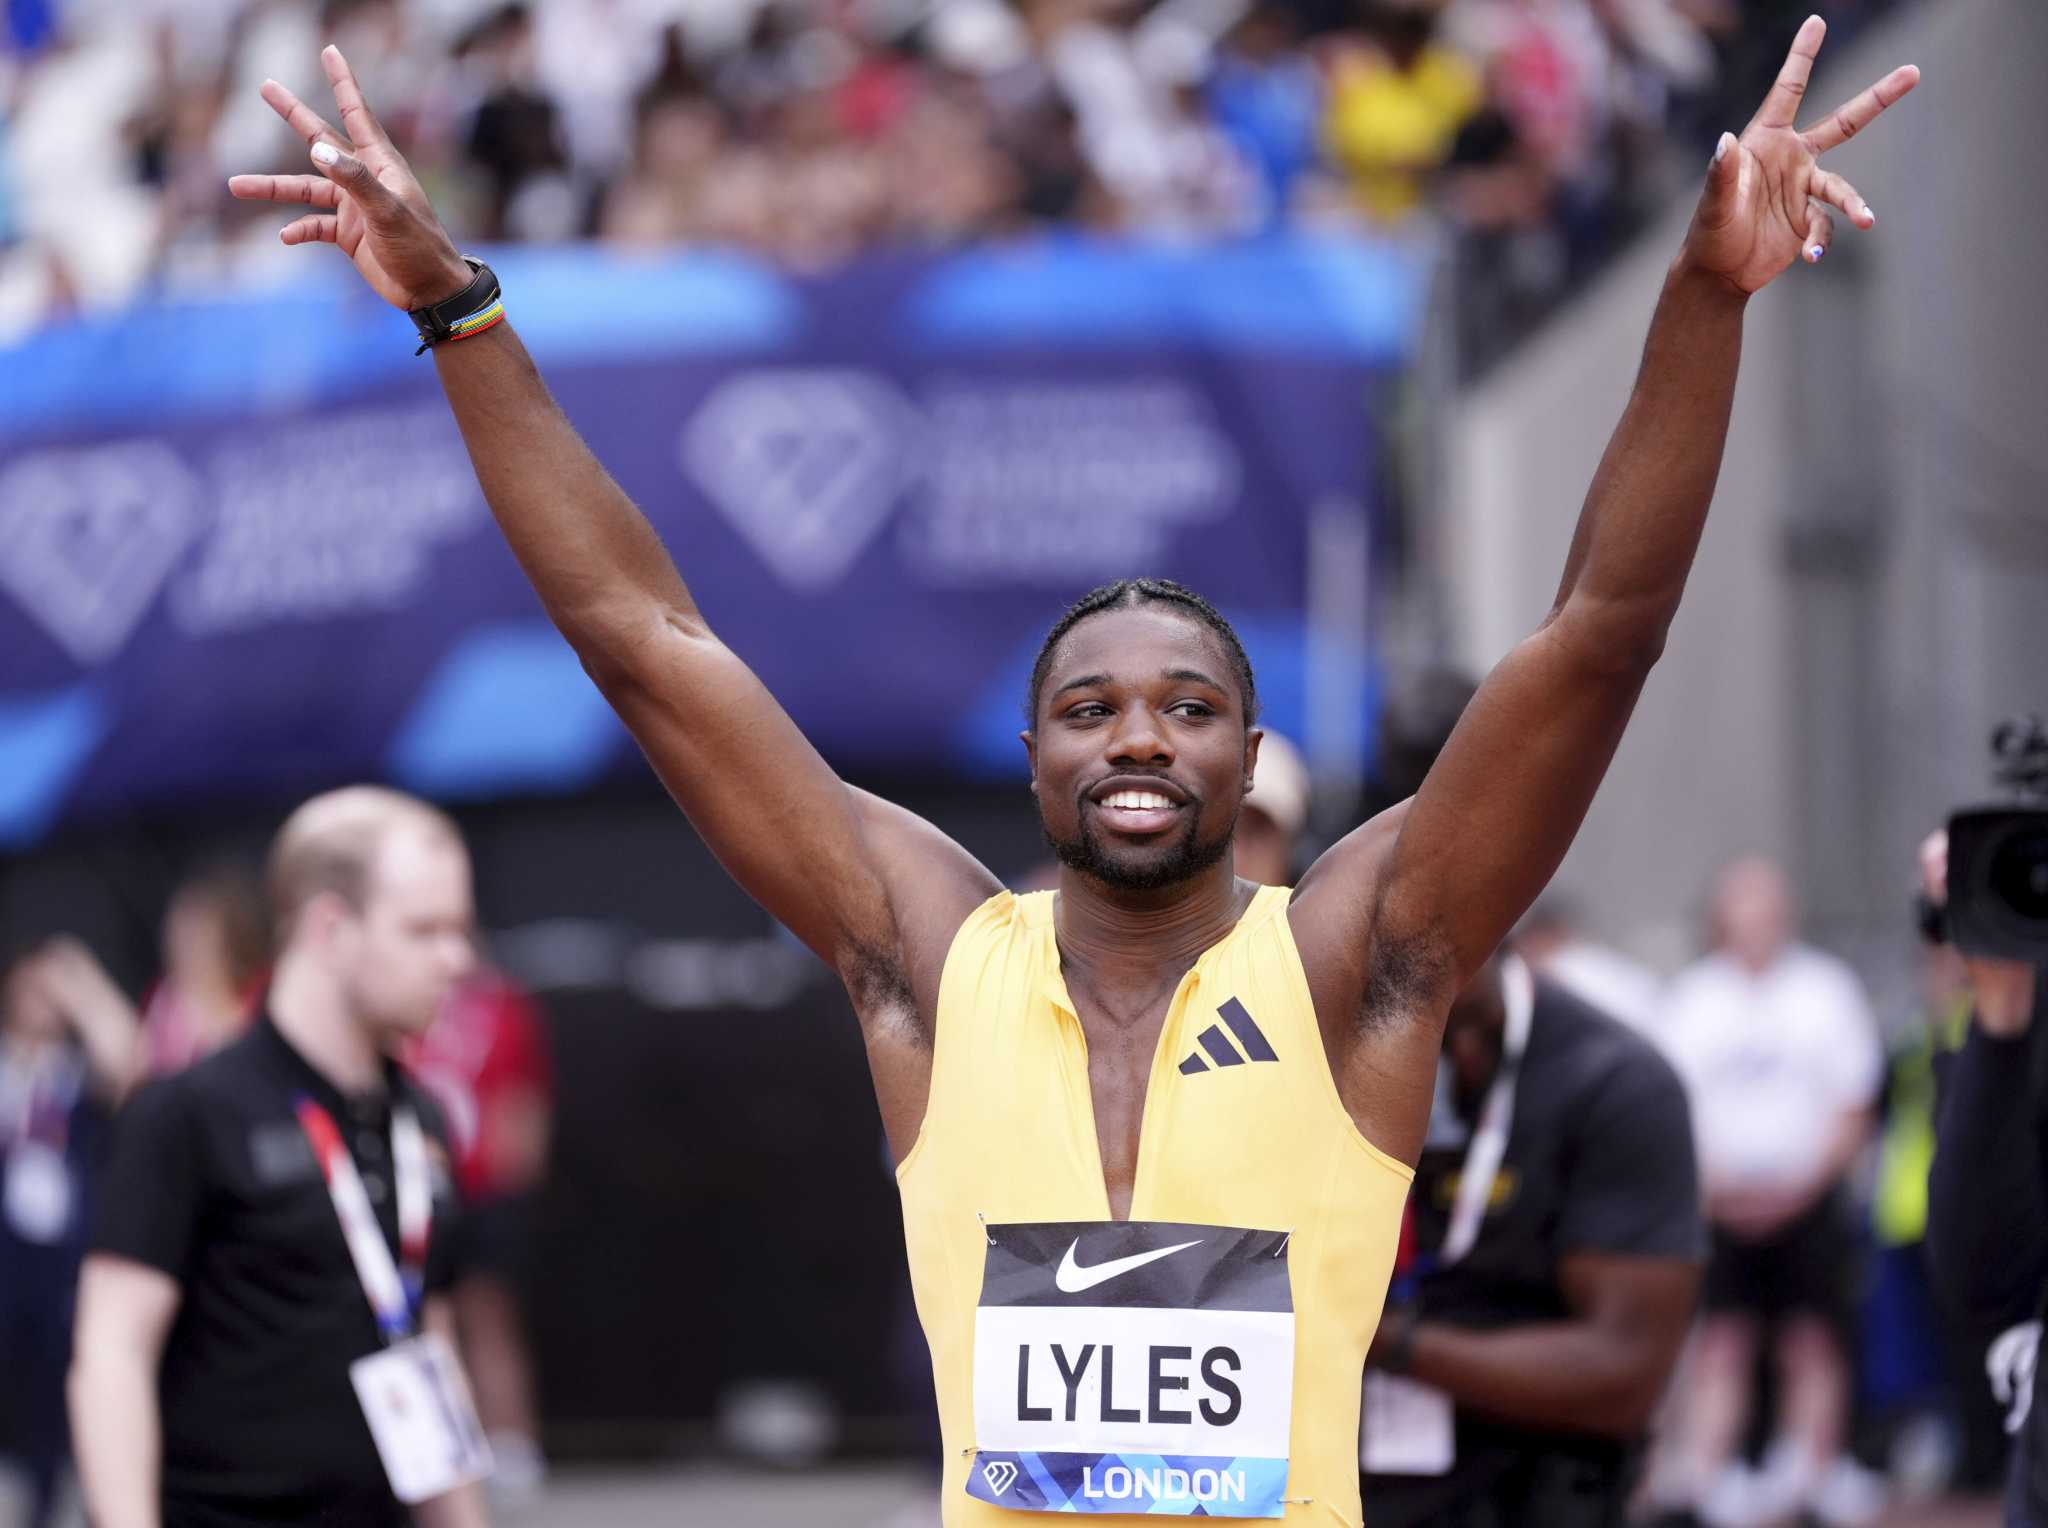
(368, 201)
(1767, 198)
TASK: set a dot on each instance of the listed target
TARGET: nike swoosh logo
(1072, 1278)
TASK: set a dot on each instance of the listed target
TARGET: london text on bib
(1134, 1366)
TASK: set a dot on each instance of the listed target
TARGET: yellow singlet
(1242, 1127)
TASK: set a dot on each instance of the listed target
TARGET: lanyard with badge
(413, 1393)
(1405, 1427)
(36, 1100)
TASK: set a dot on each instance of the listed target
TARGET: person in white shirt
(1623, 988)
(1777, 1046)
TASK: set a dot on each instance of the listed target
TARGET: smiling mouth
(1137, 811)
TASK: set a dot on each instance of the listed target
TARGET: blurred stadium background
(906, 320)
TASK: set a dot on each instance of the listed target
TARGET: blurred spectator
(67, 1055)
(515, 133)
(1551, 940)
(1131, 79)
(679, 139)
(1267, 98)
(280, 1212)
(594, 58)
(1397, 101)
(1417, 718)
(1038, 135)
(1398, 97)
(1549, 67)
(1987, 1198)
(216, 957)
(1269, 828)
(1550, 1272)
(1923, 1383)
(85, 216)
(1780, 1053)
(485, 1060)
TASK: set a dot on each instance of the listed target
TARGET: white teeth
(1137, 800)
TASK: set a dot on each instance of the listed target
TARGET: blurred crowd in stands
(1536, 131)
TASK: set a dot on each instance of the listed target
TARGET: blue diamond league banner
(1133, 1366)
(243, 554)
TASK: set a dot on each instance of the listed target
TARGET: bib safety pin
(984, 1227)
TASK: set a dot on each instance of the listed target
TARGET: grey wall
(1873, 591)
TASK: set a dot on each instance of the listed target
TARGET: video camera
(1998, 855)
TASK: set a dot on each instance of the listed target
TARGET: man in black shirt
(1987, 1196)
(1549, 1276)
(279, 1213)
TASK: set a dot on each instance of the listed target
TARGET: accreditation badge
(421, 1418)
(1405, 1428)
(1133, 1366)
(38, 1193)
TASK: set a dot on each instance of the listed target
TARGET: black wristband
(444, 320)
(1397, 1354)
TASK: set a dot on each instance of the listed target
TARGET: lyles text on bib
(1133, 1367)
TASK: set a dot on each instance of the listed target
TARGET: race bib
(421, 1416)
(1133, 1366)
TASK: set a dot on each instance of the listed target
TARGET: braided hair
(1125, 594)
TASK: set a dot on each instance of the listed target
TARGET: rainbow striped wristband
(470, 311)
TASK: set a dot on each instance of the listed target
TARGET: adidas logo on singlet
(1221, 1051)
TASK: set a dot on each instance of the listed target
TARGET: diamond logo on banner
(87, 538)
(808, 465)
(1000, 1475)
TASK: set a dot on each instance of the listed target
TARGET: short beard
(1187, 858)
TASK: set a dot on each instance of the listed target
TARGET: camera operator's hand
(368, 201)
(2001, 991)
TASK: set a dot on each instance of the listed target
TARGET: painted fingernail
(1721, 149)
(1871, 213)
(1813, 253)
(325, 153)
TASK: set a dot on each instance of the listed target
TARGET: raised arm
(108, 1028)
(1424, 899)
(872, 890)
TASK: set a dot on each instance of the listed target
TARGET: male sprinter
(1155, 1126)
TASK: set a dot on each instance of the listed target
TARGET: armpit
(1404, 975)
(879, 985)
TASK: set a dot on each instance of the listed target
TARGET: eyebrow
(1184, 675)
(1082, 683)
